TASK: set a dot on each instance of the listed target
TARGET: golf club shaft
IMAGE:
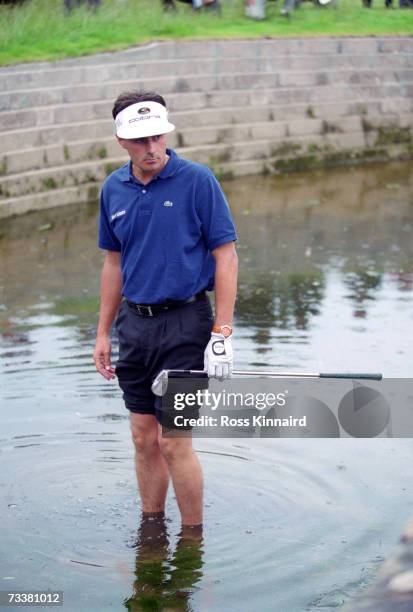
(269, 374)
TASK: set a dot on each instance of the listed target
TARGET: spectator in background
(389, 3)
(71, 4)
(209, 5)
(368, 3)
(289, 5)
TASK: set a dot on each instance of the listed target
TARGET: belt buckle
(140, 308)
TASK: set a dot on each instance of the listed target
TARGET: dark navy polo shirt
(165, 230)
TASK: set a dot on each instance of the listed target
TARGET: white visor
(143, 119)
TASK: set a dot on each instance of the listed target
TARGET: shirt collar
(125, 172)
(171, 166)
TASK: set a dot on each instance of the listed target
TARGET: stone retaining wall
(240, 106)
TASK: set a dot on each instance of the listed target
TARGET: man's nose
(151, 142)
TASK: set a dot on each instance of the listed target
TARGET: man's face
(148, 155)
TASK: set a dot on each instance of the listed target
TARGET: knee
(174, 449)
(145, 442)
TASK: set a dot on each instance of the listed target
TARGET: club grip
(352, 375)
(187, 374)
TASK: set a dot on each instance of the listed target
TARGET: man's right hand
(101, 357)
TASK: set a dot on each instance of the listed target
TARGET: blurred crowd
(256, 9)
(389, 3)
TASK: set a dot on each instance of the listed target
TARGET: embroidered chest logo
(120, 213)
(168, 203)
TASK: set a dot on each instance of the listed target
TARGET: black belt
(150, 310)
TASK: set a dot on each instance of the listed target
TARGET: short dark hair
(127, 98)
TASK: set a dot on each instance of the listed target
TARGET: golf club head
(160, 384)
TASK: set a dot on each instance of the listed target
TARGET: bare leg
(151, 468)
(186, 474)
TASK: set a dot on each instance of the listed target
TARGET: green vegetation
(102, 152)
(3, 166)
(394, 135)
(222, 174)
(323, 157)
(76, 306)
(285, 148)
(49, 183)
(40, 29)
(108, 168)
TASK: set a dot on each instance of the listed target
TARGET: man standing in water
(169, 237)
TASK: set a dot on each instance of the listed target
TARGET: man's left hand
(218, 357)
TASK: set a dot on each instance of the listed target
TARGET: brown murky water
(326, 283)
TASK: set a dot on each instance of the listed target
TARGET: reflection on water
(363, 286)
(165, 579)
(326, 282)
(286, 302)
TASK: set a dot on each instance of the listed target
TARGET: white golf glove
(218, 356)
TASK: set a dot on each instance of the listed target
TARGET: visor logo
(144, 110)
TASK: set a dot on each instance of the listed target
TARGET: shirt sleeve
(217, 225)
(107, 239)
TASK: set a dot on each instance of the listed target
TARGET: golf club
(160, 384)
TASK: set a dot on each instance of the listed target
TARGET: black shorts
(172, 340)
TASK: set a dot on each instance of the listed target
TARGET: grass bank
(40, 29)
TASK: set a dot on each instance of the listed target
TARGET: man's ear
(121, 142)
